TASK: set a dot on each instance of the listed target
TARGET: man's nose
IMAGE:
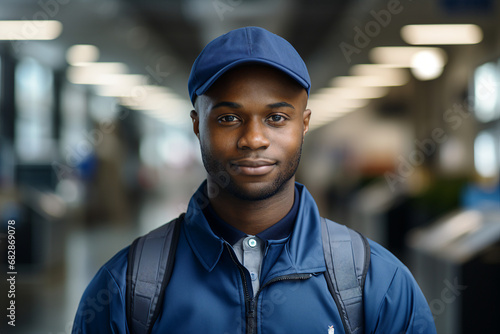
(253, 136)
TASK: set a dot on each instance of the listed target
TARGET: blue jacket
(207, 294)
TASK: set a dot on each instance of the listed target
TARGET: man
(249, 256)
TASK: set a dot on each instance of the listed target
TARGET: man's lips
(253, 167)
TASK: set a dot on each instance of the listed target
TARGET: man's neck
(253, 217)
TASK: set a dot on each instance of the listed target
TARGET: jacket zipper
(253, 319)
(248, 300)
(251, 302)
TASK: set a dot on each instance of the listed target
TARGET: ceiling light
(81, 54)
(122, 85)
(30, 30)
(402, 56)
(125, 80)
(367, 81)
(115, 90)
(427, 65)
(152, 102)
(442, 34)
(164, 107)
(95, 73)
(486, 156)
(394, 75)
(326, 108)
(486, 92)
(146, 96)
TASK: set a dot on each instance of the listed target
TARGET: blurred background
(96, 145)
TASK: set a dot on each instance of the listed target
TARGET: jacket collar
(205, 244)
(280, 230)
(304, 247)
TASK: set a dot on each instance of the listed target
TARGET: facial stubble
(217, 170)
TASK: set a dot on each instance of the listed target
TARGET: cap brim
(203, 88)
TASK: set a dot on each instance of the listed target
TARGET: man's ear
(306, 119)
(196, 123)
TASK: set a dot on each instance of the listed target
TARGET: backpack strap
(347, 257)
(150, 264)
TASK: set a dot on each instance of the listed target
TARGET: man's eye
(228, 118)
(277, 118)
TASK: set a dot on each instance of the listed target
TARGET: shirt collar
(304, 244)
(281, 230)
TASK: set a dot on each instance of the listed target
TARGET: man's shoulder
(393, 299)
(102, 305)
(387, 273)
(382, 256)
(386, 265)
(117, 265)
(111, 276)
(114, 271)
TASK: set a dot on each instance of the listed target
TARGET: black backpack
(151, 261)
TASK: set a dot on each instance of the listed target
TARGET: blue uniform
(208, 293)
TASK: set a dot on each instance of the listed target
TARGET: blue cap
(245, 45)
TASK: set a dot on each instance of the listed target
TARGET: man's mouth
(253, 167)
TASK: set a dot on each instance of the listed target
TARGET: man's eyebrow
(280, 105)
(232, 105)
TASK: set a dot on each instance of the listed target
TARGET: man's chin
(254, 191)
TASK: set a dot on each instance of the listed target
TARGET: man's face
(251, 124)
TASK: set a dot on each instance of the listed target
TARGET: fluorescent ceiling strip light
(158, 102)
(95, 73)
(149, 101)
(393, 75)
(368, 81)
(402, 56)
(125, 80)
(82, 54)
(378, 70)
(30, 30)
(441, 34)
(123, 85)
